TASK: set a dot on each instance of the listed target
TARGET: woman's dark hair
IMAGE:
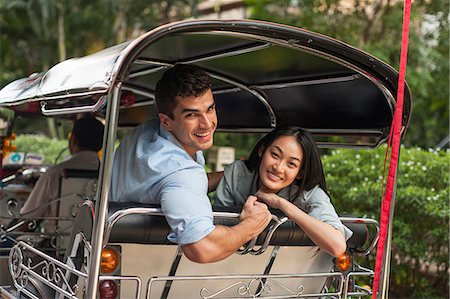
(183, 80)
(311, 170)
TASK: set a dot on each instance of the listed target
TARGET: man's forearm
(222, 242)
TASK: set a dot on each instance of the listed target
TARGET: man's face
(194, 122)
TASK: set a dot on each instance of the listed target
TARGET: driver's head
(87, 135)
(186, 106)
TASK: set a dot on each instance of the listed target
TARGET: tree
(375, 26)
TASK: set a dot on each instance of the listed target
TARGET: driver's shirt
(150, 166)
(47, 187)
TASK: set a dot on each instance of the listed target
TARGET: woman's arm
(322, 234)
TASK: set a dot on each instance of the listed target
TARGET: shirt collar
(199, 158)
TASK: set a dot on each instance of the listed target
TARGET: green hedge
(420, 264)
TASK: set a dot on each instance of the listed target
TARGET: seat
(76, 186)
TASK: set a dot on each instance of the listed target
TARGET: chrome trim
(365, 221)
(146, 72)
(272, 229)
(243, 287)
(91, 108)
(383, 288)
(258, 95)
(249, 248)
(116, 216)
(362, 292)
(309, 82)
(162, 65)
(227, 54)
(104, 182)
(53, 270)
(139, 91)
(172, 272)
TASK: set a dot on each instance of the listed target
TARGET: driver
(84, 143)
(161, 162)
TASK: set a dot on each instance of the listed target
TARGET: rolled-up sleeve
(186, 205)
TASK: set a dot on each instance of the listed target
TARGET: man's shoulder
(148, 128)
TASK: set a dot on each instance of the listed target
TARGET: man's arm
(213, 180)
(223, 241)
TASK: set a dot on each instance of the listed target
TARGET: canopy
(264, 75)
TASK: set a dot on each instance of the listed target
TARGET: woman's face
(280, 163)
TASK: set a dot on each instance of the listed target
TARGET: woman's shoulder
(237, 167)
(316, 193)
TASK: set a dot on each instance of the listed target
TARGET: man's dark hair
(88, 133)
(183, 80)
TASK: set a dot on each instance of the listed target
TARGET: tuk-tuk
(264, 75)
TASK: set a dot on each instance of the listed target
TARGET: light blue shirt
(238, 183)
(151, 166)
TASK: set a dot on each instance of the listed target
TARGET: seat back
(284, 268)
(76, 186)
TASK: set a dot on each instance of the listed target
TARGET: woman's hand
(270, 198)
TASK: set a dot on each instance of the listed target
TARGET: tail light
(110, 260)
(108, 289)
(343, 262)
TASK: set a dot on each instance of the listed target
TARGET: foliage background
(36, 34)
(420, 263)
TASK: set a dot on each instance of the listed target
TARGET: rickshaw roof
(264, 75)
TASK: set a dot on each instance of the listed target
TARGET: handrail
(83, 109)
(249, 248)
(365, 221)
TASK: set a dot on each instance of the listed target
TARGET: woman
(284, 170)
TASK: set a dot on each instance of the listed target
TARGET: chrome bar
(365, 221)
(364, 272)
(90, 108)
(386, 267)
(309, 82)
(272, 229)
(172, 272)
(258, 95)
(338, 292)
(122, 213)
(104, 182)
(228, 53)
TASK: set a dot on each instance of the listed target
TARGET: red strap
(395, 149)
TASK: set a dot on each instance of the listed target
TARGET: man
(84, 143)
(161, 162)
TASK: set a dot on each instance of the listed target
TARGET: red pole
(395, 150)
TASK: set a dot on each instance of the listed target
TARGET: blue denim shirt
(151, 166)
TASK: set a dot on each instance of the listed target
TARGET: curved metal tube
(365, 221)
(91, 108)
(272, 229)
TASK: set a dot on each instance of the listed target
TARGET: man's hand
(256, 215)
(223, 241)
